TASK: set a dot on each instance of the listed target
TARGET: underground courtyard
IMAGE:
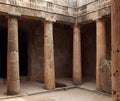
(53, 50)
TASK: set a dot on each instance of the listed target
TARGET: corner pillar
(115, 50)
(49, 69)
(77, 69)
(13, 80)
(100, 49)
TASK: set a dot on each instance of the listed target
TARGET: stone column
(49, 69)
(116, 50)
(77, 69)
(13, 81)
(100, 49)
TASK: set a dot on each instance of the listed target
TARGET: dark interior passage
(63, 40)
(88, 37)
(23, 49)
(108, 37)
(3, 52)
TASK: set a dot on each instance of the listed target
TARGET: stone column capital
(12, 16)
(50, 19)
(76, 25)
(100, 20)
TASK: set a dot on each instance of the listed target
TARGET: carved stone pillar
(13, 81)
(101, 49)
(49, 69)
(115, 50)
(77, 69)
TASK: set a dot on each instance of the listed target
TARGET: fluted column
(77, 69)
(13, 81)
(49, 69)
(115, 50)
(100, 48)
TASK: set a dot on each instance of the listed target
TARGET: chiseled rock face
(105, 78)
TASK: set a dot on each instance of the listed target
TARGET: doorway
(23, 49)
(88, 40)
(3, 53)
(63, 50)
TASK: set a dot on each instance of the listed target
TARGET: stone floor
(89, 84)
(34, 87)
(74, 94)
(34, 91)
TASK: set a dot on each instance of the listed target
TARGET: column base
(77, 82)
(13, 87)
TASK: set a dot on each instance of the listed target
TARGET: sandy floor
(75, 94)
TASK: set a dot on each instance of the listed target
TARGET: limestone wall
(62, 51)
(38, 8)
(57, 10)
(92, 9)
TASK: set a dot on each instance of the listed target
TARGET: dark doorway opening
(63, 49)
(88, 38)
(23, 49)
(3, 52)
